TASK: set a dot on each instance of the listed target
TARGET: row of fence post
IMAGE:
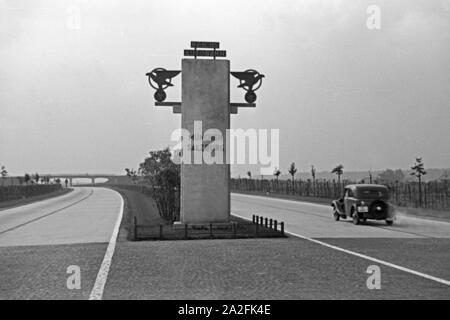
(268, 223)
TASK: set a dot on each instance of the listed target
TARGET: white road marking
(417, 273)
(102, 276)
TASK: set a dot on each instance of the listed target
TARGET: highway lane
(84, 215)
(41, 240)
(419, 245)
(316, 221)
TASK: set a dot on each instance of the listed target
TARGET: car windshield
(368, 193)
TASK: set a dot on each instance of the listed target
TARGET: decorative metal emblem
(250, 80)
(160, 79)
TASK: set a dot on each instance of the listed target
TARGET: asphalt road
(315, 220)
(39, 241)
(329, 260)
(420, 245)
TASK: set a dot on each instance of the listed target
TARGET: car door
(349, 199)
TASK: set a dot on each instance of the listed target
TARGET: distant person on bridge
(66, 182)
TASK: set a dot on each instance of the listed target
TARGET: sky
(74, 96)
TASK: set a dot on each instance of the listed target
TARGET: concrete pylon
(205, 192)
(205, 114)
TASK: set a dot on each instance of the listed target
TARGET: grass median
(151, 226)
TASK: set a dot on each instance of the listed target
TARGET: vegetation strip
(21, 202)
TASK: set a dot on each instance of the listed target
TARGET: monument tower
(205, 107)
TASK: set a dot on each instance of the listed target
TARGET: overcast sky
(74, 96)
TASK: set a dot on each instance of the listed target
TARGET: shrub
(18, 192)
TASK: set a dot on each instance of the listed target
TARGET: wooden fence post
(135, 235)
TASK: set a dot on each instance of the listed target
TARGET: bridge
(70, 176)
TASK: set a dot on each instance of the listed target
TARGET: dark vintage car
(364, 201)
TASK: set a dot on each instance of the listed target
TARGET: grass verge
(20, 202)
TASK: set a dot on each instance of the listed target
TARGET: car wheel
(389, 222)
(336, 216)
(355, 217)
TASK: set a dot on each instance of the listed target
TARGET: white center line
(102, 276)
(417, 273)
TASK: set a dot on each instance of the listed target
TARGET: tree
(167, 180)
(26, 178)
(418, 172)
(132, 174)
(313, 174)
(249, 174)
(36, 177)
(292, 171)
(157, 162)
(277, 173)
(3, 173)
(164, 175)
(338, 170)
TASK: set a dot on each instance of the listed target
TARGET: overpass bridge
(114, 178)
